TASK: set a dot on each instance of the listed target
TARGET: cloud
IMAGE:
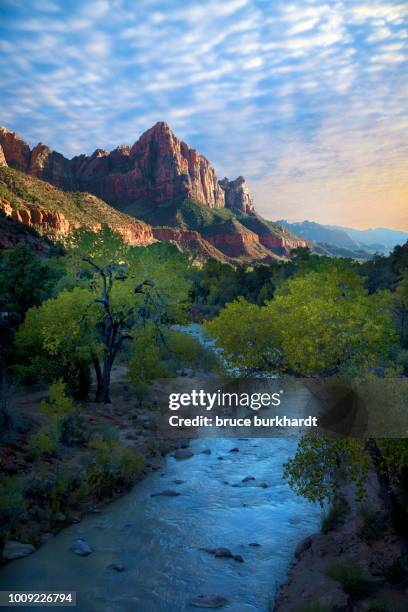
(298, 97)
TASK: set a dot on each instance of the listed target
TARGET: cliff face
(159, 172)
(158, 168)
(237, 195)
(55, 213)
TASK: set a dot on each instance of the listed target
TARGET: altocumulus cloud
(306, 99)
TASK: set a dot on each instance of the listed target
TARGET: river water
(158, 539)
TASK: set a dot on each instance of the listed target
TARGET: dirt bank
(50, 498)
(355, 565)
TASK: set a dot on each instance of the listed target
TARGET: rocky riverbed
(219, 527)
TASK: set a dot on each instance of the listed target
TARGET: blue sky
(308, 100)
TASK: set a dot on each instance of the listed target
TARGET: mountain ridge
(163, 182)
(365, 243)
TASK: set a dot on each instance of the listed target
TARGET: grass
(374, 524)
(350, 576)
(335, 515)
(23, 191)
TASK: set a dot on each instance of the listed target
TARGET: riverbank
(221, 498)
(44, 495)
(354, 563)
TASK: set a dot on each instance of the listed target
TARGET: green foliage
(114, 466)
(58, 338)
(312, 471)
(160, 352)
(11, 503)
(25, 281)
(249, 343)
(350, 576)
(335, 515)
(56, 411)
(385, 272)
(326, 322)
(319, 323)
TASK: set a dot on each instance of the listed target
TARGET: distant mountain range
(345, 241)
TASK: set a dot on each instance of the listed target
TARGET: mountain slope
(166, 184)
(55, 213)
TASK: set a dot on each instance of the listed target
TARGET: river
(158, 539)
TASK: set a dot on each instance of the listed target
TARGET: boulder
(166, 493)
(183, 453)
(16, 550)
(207, 601)
(81, 547)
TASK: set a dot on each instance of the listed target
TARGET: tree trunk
(98, 373)
(394, 508)
(107, 366)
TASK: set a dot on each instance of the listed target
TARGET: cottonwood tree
(111, 289)
(322, 324)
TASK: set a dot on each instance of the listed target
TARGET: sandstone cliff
(56, 214)
(158, 168)
(161, 180)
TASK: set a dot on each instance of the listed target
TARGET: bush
(11, 503)
(350, 576)
(43, 442)
(373, 526)
(113, 467)
(335, 515)
(162, 353)
(63, 423)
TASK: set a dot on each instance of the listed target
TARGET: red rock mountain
(153, 180)
(158, 168)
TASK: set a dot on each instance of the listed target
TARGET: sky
(307, 100)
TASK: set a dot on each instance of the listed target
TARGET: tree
(321, 323)
(318, 323)
(25, 281)
(106, 296)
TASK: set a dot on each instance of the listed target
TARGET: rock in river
(183, 453)
(166, 493)
(222, 552)
(16, 550)
(81, 547)
(208, 601)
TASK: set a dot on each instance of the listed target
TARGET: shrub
(373, 526)
(350, 576)
(162, 353)
(43, 442)
(11, 503)
(113, 467)
(335, 515)
(60, 413)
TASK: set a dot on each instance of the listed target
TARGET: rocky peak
(39, 159)
(15, 149)
(159, 168)
(237, 195)
(3, 161)
(173, 170)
